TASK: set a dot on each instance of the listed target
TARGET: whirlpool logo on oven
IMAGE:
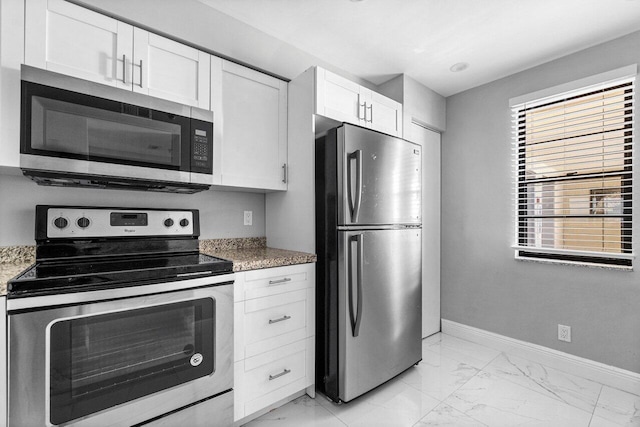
(129, 230)
(196, 359)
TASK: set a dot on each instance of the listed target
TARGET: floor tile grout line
(533, 389)
(595, 407)
(455, 409)
(329, 412)
(536, 390)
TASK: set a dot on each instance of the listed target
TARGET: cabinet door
(69, 39)
(11, 58)
(170, 70)
(384, 114)
(253, 145)
(339, 98)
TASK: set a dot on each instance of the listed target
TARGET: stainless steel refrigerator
(369, 289)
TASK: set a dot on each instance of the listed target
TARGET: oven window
(100, 361)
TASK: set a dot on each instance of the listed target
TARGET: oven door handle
(197, 273)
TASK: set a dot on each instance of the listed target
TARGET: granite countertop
(253, 253)
(13, 260)
(246, 253)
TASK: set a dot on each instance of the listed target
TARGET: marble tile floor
(460, 383)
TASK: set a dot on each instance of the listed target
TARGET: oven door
(122, 361)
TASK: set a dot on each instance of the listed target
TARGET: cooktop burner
(95, 274)
(81, 249)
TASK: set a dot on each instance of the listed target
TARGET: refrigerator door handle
(356, 317)
(354, 207)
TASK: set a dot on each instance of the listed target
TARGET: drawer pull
(285, 372)
(274, 282)
(285, 317)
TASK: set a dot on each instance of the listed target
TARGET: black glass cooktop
(44, 278)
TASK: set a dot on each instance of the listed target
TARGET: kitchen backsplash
(221, 212)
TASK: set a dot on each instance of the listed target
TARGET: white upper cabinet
(250, 135)
(170, 70)
(339, 98)
(11, 58)
(384, 114)
(343, 100)
(72, 40)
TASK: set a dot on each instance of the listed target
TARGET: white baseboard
(585, 368)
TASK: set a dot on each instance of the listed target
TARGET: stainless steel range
(121, 321)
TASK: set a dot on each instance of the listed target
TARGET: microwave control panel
(201, 146)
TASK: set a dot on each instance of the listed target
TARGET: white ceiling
(379, 39)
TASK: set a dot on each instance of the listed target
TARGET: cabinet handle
(141, 73)
(362, 105)
(370, 107)
(124, 68)
(285, 372)
(284, 173)
(274, 282)
(281, 319)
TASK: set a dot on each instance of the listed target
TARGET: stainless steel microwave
(79, 133)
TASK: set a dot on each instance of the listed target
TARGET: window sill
(575, 263)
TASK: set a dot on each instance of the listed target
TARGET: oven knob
(60, 222)
(83, 222)
(184, 222)
(168, 222)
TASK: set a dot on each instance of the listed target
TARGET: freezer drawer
(379, 178)
(379, 306)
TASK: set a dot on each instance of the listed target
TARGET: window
(574, 175)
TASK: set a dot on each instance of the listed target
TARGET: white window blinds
(573, 159)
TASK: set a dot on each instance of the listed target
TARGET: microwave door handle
(124, 68)
(141, 73)
(354, 206)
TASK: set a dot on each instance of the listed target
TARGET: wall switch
(564, 333)
(248, 217)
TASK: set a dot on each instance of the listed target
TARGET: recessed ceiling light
(357, 1)
(460, 66)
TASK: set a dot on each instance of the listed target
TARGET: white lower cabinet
(274, 351)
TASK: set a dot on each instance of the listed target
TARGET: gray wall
(221, 212)
(482, 285)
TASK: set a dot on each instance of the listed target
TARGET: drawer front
(216, 412)
(291, 365)
(273, 316)
(274, 281)
(273, 370)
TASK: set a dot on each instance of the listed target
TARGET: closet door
(430, 142)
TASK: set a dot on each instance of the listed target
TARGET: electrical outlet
(564, 333)
(248, 217)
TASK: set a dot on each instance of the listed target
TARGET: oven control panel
(65, 222)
